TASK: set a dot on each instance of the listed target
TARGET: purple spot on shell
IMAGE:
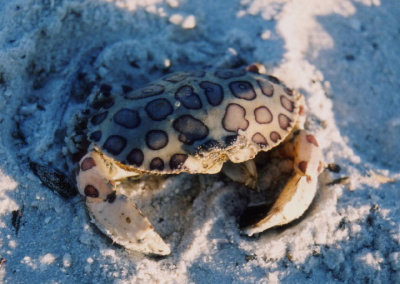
(229, 73)
(177, 161)
(157, 164)
(159, 109)
(273, 79)
(95, 136)
(288, 91)
(197, 73)
(135, 157)
(230, 140)
(188, 97)
(242, 90)
(213, 92)
(102, 100)
(259, 139)
(266, 87)
(99, 118)
(235, 118)
(275, 136)
(209, 145)
(105, 88)
(127, 118)
(108, 103)
(263, 115)
(115, 144)
(152, 90)
(176, 77)
(126, 89)
(284, 121)
(190, 129)
(145, 92)
(287, 104)
(156, 139)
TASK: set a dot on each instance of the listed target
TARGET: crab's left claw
(301, 188)
(114, 214)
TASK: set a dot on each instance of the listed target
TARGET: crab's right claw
(301, 188)
(121, 220)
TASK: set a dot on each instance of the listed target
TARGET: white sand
(343, 55)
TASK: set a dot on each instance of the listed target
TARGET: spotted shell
(194, 121)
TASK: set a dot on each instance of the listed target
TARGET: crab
(193, 122)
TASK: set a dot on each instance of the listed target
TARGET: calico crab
(192, 122)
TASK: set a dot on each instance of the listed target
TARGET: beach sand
(344, 56)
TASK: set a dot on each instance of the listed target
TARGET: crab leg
(114, 214)
(301, 188)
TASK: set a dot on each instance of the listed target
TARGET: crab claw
(125, 224)
(301, 188)
(114, 214)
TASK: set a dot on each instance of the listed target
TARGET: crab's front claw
(121, 220)
(301, 188)
(114, 214)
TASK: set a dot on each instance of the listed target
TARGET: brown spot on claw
(303, 166)
(311, 139)
(128, 220)
(87, 164)
(308, 178)
(91, 191)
